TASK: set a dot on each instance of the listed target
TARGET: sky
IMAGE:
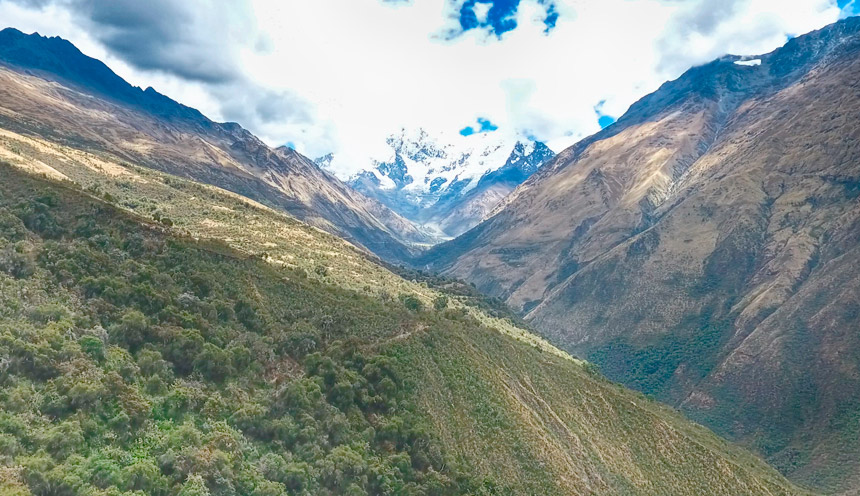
(340, 76)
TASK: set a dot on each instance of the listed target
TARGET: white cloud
(704, 30)
(341, 75)
(481, 12)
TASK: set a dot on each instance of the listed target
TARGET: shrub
(198, 338)
(92, 346)
(17, 260)
(411, 302)
(132, 329)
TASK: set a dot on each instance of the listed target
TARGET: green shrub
(412, 302)
(92, 346)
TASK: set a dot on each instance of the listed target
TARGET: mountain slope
(447, 184)
(140, 359)
(49, 88)
(703, 249)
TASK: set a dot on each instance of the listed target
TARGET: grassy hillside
(139, 358)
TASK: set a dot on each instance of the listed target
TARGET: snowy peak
(324, 162)
(417, 147)
(528, 157)
(421, 175)
(428, 165)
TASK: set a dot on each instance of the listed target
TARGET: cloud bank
(341, 75)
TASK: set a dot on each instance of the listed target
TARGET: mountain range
(447, 184)
(704, 249)
(173, 321)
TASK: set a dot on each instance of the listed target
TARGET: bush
(132, 329)
(411, 302)
(92, 346)
(49, 312)
(11, 227)
(18, 260)
(213, 363)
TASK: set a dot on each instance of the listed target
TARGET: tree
(132, 329)
(92, 346)
(213, 363)
(194, 486)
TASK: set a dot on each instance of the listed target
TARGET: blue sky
(483, 126)
(498, 17)
(849, 7)
(342, 75)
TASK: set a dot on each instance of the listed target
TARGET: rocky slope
(447, 184)
(704, 249)
(49, 88)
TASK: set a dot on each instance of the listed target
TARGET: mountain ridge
(168, 335)
(149, 128)
(73, 66)
(685, 250)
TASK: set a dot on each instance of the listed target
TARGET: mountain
(50, 88)
(166, 337)
(447, 184)
(704, 249)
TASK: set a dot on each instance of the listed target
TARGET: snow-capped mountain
(447, 183)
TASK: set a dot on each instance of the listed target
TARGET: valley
(668, 306)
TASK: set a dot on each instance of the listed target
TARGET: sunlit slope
(204, 211)
(543, 425)
(49, 88)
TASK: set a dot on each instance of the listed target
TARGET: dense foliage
(132, 362)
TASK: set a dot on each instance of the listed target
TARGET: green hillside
(138, 360)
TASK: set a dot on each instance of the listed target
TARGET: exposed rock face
(449, 184)
(705, 249)
(48, 87)
(457, 212)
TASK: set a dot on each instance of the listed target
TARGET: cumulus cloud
(341, 75)
(192, 39)
(191, 47)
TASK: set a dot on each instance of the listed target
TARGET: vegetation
(202, 211)
(142, 358)
(137, 362)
